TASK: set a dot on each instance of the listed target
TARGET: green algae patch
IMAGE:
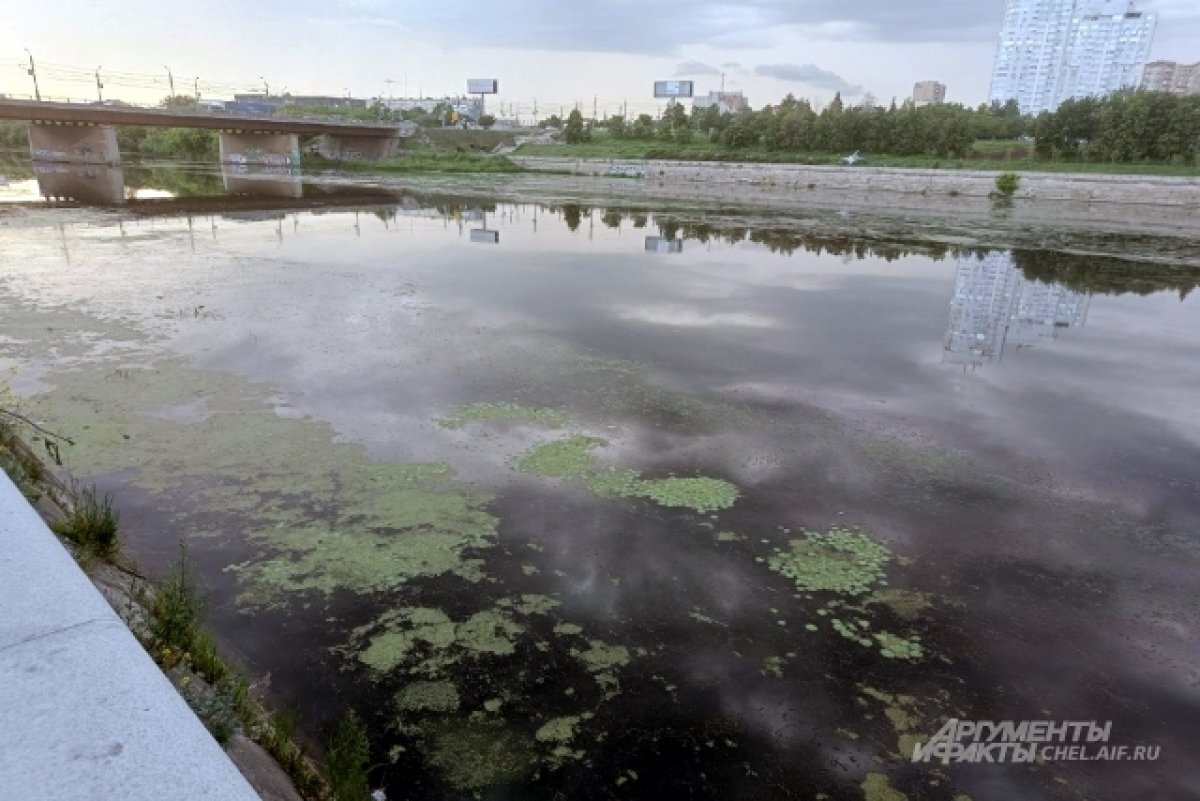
(614, 483)
(893, 646)
(567, 629)
(901, 712)
(842, 561)
(530, 604)
(472, 755)
(773, 665)
(876, 787)
(404, 631)
(729, 536)
(504, 412)
(700, 494)
(428, 696)
(565, 458)
(572, 458)
(602, 661)
(907, 604)
(558, 733)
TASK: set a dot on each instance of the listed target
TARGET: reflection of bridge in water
(249, 189)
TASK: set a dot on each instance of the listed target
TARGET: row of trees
(794, 125)
(1125, 127)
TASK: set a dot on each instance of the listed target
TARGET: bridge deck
(35, 111)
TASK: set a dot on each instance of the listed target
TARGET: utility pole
(99, 87)
(594, 106)
(389, 83)
(196, 87)
(37, 93)
(170, 79)
(266, 86)
(722, 83)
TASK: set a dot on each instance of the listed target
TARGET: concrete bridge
(79, 133)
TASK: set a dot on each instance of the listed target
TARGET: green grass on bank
(1006, 155)
(422, 161)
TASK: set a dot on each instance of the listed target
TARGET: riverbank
(148, 734)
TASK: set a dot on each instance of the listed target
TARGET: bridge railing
(206, 111)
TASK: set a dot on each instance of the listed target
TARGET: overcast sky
(558, 52)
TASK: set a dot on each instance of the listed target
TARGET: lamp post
(99, 87)
(37, 93)
(196, 87)
(266, 86)
(170, 79)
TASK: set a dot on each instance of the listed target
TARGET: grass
(997, 155)
(91, 522)
(347, 760)
(427, 161)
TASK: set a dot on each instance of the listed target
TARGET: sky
(553, 52)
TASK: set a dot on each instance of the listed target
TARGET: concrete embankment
(1121, 201)
(85, 713)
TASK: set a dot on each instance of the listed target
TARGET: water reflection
(94, 184)
(995, 308)
(280, 181)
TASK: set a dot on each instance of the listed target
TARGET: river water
(590, 500)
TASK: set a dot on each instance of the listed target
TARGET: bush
(1007, 183)
(92, 522)
(178, 604)
(348, 756)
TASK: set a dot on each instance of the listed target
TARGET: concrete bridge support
(86, 183)
(358, 148)
(74, 143)
(249, 147)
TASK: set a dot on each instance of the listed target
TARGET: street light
(266, 86)
(170, 79)
(99, 87)
(196, 86)
(37, 93)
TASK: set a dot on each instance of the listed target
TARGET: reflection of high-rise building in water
(995, 308)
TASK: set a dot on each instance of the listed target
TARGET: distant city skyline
(605, 53)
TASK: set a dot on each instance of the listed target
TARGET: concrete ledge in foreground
(84, 711)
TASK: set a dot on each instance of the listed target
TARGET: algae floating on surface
(841, 560)
(504, 412)
(565, 458)
(472, 755)
(428, 696)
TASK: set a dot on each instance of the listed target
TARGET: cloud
(663, 27)
(733, 65)
(809, 74)
(695, 68)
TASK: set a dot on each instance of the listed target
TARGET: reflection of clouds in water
(679, 316)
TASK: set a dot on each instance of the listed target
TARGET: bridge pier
(86, 183)
(74, 143)
(252, 147)
(357, 148)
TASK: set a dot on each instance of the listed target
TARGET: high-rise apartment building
(1171, 76)
(929, 93)
(1052, 50)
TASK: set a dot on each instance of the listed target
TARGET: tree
(616, 127)
(486, 121)
(574, 132)
(554, 122)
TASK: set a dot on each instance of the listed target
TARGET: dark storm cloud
(809, 74)
(662, 27)
(695, 68)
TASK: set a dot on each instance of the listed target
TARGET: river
(586, 498)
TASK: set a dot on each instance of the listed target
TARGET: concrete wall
(356, 148)
(74, 143)
(239, 147)
(85, 713)
(796, 178)
(86, 183)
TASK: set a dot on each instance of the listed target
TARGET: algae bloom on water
(564, 458)
(504, 412)
(842, 560)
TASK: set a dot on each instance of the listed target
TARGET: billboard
(482, 86)
(482, 236)
(660, 244)
(673, 88)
